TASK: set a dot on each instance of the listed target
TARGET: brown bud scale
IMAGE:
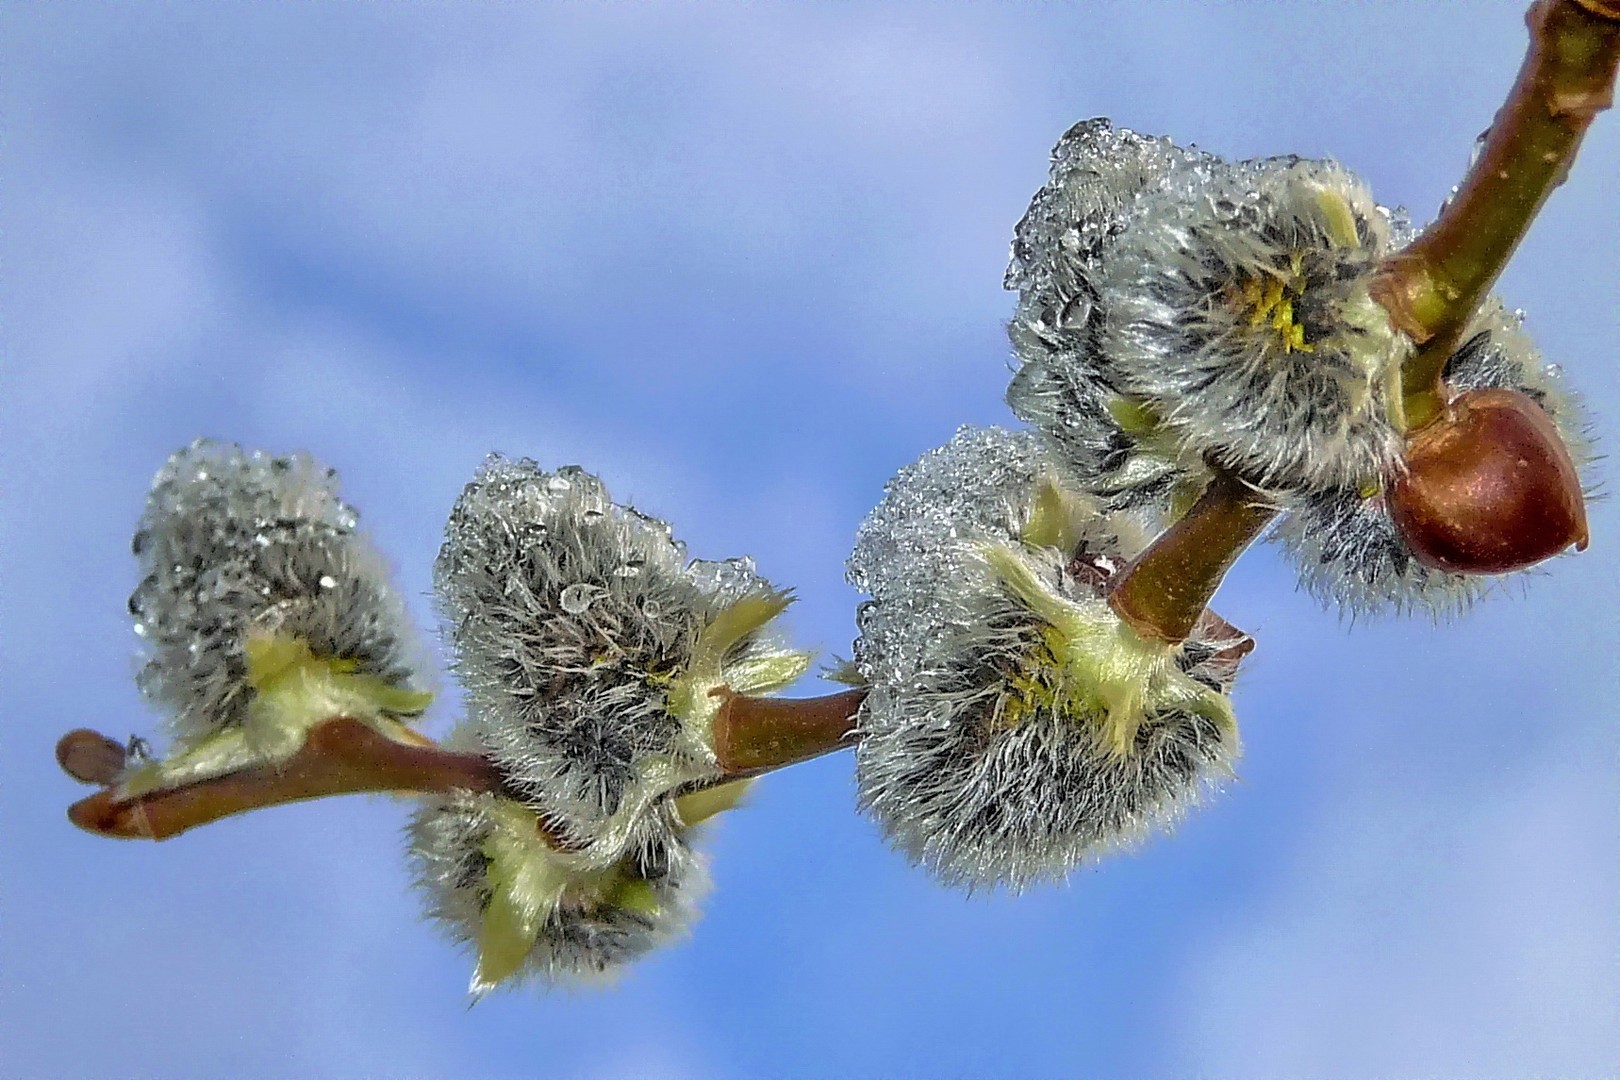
(90, 757)
(1488, 487)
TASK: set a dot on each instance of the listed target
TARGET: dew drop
(576, 598)
(328, 581)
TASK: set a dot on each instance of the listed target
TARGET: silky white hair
(1064, 385)
(1294, 393)
(568, 616)
(234, 542)
(972, 794)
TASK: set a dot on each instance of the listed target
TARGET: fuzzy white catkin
(234, 542)
(584, 938)
(1064, 385)
(569, 616)
(957, 783)
(1236, 305)
(1343, 541)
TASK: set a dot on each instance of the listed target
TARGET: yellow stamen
(1270, 301)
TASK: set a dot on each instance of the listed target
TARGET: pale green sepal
(390, 699)
(689, 692)
(1339, 217)
(1134, 415)
(845, 673)
(1101, 668)
(526, 884)
(1156, 443)
(293, 690)
(696, 807)
(692, 699)
(1010, 567)
(763, 674)
(1055, 519)
(635, 895)
(291, 679)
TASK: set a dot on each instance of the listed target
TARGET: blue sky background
(745, 262)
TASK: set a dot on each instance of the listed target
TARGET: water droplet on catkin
(575, 598)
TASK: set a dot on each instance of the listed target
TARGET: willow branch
(1431, 288)
(753, 734)
(343, 756)
(1164, 591)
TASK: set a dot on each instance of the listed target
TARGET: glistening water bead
(591, 686)
(238, 544)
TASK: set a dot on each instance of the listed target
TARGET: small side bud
(1345, 542)
(1489, 487)
(90, 757)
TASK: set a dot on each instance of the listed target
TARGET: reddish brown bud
(1489, 487)
(90, 757)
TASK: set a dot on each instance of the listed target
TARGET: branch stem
(754, 734)
(1165, 590)
(1432, 287)
(343, 756)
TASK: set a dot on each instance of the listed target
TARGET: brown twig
(753, 734)
(343, 756)
(1432, 287)
(1164, 591)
